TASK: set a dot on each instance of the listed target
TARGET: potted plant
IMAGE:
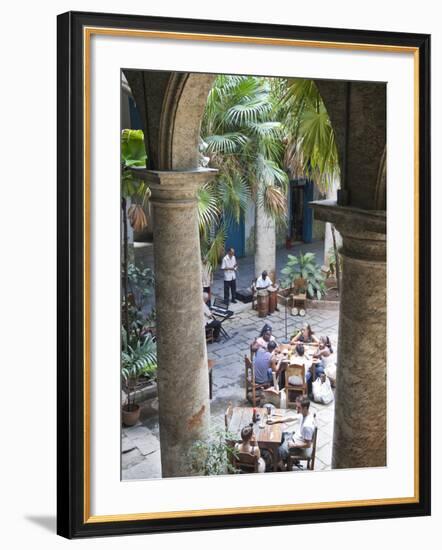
(137, 360)
(308, 270)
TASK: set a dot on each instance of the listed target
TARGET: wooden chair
(311, 460)
(251, 385)
(301, 388)
(246, 463)
(299, 298)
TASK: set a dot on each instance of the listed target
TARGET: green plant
(137, 359)
(311, 146)
(141, 284)
(304, 267)
(242, 134)
(133, 154)
(213, 456)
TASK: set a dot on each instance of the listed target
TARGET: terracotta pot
(130, 414)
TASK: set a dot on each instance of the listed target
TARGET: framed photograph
(243, 274)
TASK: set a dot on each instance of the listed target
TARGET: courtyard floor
(140, 443)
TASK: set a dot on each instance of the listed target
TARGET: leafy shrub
(304, 267)
(213, 456)
(139, 359)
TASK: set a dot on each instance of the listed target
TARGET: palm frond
(208, 211)
(214, 249)
(274, 203)
(248, 111)
(235, 195)
(269, 173)
(228, 143)
(268, 128)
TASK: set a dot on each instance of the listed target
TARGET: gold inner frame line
(136, 33)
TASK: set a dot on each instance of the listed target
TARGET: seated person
(305, 335)
(209, 319)
(324, 351)
(263, 282)
(248, 445)
(327, 359)
(301, 359)
(265, 364)
(264, 338)
(299, 444)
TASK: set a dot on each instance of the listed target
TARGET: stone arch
(183, 108)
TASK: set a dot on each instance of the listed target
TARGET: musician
(263, 282)
(209, 319)
(229, 266)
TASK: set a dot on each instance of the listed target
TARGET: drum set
(267, 301)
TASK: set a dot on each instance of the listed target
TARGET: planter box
(330, 305)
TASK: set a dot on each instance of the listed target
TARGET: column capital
(364, 232)
(175, 187)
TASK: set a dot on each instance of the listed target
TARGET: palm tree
(311, 147)
(244, 141)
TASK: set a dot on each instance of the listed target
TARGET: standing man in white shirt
(229, 267)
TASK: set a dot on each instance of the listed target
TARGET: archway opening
(190, 134)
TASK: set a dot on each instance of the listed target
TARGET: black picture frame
(70, 264)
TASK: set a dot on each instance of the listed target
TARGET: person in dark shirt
(265, 364)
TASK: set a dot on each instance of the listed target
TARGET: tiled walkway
(140, 444)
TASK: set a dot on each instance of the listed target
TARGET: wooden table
(309, 350)
(269, 437)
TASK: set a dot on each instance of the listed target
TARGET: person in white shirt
(299, 444)
(207, 278)
(229, 267)
(209, 319)
(263, 282)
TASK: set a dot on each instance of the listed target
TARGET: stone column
(183, 383)
(361, 394)
(265, 242)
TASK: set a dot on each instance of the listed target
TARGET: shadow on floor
(49, 523)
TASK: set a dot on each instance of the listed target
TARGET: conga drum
(263, 303)
(273, 298)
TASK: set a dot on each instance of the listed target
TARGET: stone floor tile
(131, 458)
(148, 469)
(127, 444)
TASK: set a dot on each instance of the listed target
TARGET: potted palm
(304, 273)
(137, 359)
